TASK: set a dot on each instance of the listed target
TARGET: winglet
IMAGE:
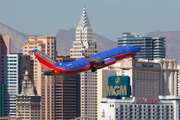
(84, 55)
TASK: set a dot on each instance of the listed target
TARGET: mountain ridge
(66, 37)
(17, 38)
(64, 40)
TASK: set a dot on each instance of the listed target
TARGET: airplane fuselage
(108, 57)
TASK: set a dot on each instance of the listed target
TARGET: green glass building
(151, 47)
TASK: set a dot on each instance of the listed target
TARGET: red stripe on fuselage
(122, 56)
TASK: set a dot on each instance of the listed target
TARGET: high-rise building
(44, 84)
(5, 47)
(27, 102)
(151, 47)
(1, 100)
(67, 94)
(88, 80)
(10, 79)
(5, 44)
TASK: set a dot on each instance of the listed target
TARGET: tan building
(102, 82)
(150, 78)
(44, 84)
(144, 76)
(168, 76)
(178, 67)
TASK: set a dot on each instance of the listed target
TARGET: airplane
(93, 62)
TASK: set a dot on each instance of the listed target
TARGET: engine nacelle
(108, 62)
(102, 63)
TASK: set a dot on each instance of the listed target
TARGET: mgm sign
(118, 87)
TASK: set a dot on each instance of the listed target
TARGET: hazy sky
(108, 18)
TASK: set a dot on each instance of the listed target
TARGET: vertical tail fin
(45, 61)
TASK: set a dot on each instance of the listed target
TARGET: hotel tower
(151, 47)
(88, 80)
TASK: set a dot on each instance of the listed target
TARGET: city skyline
(141, 75)
(46, 18)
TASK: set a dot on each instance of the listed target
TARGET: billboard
(140, 100)
(118, 87)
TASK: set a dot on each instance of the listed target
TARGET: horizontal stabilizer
(39, 73)
(45, 71)
(48, 71)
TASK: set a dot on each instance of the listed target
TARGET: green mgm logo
(118, 86)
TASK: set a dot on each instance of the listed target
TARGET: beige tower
(88, 79)
(45, 85)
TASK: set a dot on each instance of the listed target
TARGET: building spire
(27, 86)
(84, 21)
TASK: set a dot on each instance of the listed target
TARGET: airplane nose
(139, 48)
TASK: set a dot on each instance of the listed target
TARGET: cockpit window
(133, 46)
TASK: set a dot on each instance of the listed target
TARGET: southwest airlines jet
(93, 62)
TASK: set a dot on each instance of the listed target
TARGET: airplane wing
(93, 60)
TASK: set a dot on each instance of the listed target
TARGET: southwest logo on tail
(93, 62)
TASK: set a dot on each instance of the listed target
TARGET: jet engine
(108, 62)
